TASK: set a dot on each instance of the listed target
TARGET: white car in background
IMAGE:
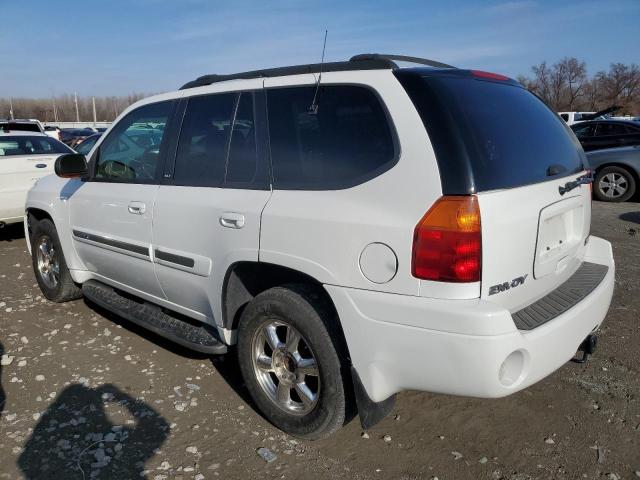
(24, 158)
(575, 117)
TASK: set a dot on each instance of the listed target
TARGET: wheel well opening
(35, 215)
(631, 171)
(245, 280)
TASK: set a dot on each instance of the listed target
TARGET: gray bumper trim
(555, 303)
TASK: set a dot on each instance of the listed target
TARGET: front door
(111, 213)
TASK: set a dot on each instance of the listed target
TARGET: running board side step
(202, 338)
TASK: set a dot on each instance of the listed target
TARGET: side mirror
(71, 165)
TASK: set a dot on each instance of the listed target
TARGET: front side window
(346, 141)
(131, 152)
(582, 131)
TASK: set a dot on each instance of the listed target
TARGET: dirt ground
(90, 396)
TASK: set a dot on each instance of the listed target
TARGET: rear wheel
(291, 361)
(49, 264)
(614, 184)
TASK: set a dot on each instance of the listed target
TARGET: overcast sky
(116, 47)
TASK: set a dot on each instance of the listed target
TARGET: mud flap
(370, 412)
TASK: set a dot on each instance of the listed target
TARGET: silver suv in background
(353, 233)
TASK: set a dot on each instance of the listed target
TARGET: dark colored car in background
(617, 172)
(599, 134)
(85, 146)
(73, 136)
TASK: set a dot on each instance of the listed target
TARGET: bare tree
(565, 86)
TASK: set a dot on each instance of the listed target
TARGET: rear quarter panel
(323, 233)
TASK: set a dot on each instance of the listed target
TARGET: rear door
(494, 139)
(207, 213)
(111, 214)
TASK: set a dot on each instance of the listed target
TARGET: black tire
(608, 194)
(64, 289)
(309, 312)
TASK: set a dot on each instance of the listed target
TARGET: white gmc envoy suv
(352, 229)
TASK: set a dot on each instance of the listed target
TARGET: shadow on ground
(3, 397)
(630, 217)
(226, 365)
(77, 439)
(11, 233)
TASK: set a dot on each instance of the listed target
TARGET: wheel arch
(38, 212)
(244, 280)
(630, 168)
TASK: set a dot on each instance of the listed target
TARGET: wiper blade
(583, 180)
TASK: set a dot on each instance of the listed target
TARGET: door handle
(41, 165)
(232, 220)
(137, 208)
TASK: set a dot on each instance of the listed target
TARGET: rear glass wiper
(582, 180)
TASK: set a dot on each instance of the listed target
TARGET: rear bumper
(462, 347)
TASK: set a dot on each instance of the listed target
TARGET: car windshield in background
(506, 136)
(28, 145)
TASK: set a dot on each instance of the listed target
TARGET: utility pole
(77, 111)
(93, 100)
(55, 110)
(11, 108)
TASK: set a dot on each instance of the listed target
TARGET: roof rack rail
(399, 58)
(367, 61)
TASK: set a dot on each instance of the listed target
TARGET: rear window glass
(347, 141)
(23, 127)
(499, 135)
(28, 145)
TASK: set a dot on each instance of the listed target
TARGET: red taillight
(447, 242)
(488, 75)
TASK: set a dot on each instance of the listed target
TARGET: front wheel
(290, 358)
(49, 264)
(614, 184)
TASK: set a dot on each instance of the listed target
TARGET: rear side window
(604, 129)
(490, 135)
(242, 163)
(217, 145)
(204, 137)
(347, 141)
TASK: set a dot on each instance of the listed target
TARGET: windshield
(496, 134)
(31, 145)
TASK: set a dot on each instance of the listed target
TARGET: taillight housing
(447, 242)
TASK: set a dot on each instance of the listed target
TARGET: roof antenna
(313, 109)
